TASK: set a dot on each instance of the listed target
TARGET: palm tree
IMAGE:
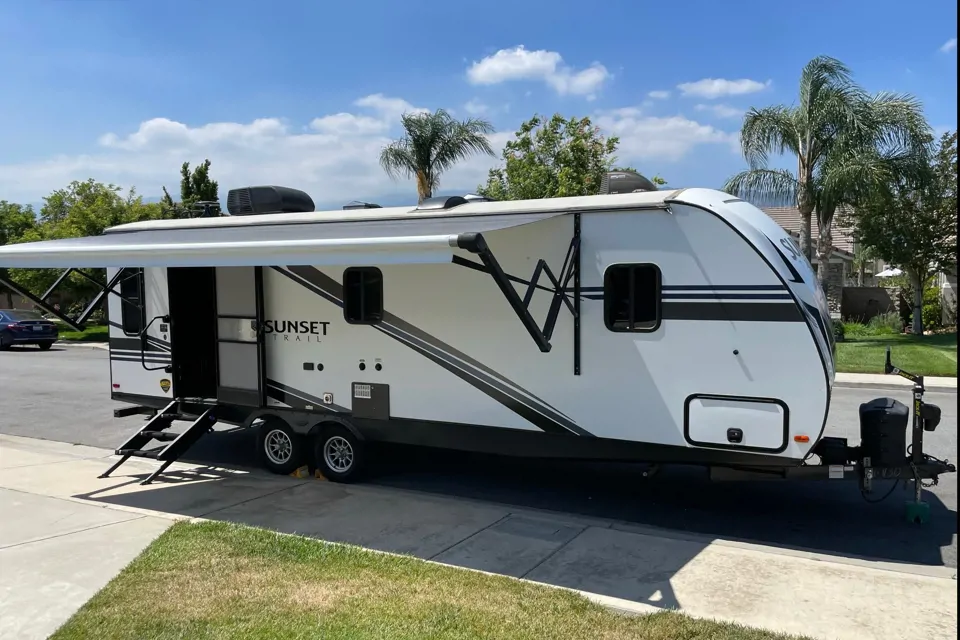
(433, 142)
(846, 142)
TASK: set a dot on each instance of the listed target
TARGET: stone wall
(836, 277)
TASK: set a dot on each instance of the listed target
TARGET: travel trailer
(657, 326)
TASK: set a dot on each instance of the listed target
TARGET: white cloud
(519, 63)
(659, 95)
(711, 88)
(949, 45)
(665, 139)
(475, 107)
(720, 110)
(335, 158)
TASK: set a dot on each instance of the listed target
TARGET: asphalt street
(63, 395)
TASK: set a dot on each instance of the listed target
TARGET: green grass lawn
(218, 580)
(925, 355)
(93, 333)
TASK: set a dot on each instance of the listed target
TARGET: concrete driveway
(65, 533)
(63, 395)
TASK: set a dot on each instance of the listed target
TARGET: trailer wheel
(339, 454)
(281, 448)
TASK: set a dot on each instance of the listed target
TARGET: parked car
(18, 326)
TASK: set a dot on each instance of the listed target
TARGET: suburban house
(844, 267)
(843, 271)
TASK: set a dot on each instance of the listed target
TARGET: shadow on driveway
(821, 516)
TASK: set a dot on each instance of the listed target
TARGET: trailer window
(631, 296)
(362, 295)
(132, 311)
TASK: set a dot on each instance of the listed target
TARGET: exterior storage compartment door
(240, 336)
(734, 422)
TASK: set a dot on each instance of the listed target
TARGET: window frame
(126, 306)
(363, 270)
(608, 299)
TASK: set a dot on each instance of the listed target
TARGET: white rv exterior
(738, 342)
(732, 365)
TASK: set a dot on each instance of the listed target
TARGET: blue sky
(305, 93)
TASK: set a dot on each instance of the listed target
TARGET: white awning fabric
(404, 241)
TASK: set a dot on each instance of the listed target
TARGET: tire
(338, 454)
(5, 342)
(45, 346)
(281, 449)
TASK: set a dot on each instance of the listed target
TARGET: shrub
(885, 324)
(855, 329)
(839, 331)
(932, 311)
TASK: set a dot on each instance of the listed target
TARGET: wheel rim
(278, 446)
(338, 454)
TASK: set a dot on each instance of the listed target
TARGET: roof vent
(625, 182)
(440, 203)
(268, 199)
(472, 197)
(357, 204)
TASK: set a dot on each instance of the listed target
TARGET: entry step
(141, 453)
(162, 436)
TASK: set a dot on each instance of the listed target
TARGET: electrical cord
(863, 493)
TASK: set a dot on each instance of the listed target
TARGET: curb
(84, 345)
(893, 387)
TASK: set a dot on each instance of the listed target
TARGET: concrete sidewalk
(931, 383)
(65, 533)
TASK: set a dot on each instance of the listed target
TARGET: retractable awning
(414, 240)
(399, 241)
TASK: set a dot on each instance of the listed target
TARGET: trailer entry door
(240, 336)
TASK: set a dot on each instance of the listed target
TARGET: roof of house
(789, 219)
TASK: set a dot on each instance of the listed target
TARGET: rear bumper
(33, 338)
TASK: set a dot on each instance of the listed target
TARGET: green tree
(83, 208)
(551, 159)
(432, 144)
(15, 220)
(862, 257)
(195, 186)
(845, 142)
(912, 222)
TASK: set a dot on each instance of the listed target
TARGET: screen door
(239, 336)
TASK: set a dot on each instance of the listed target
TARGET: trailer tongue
(883, 453)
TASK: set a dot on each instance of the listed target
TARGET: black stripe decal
(477, 375)
(732, 312)
(723, 287)
(134, 344)
(299, 399)
(152, 340)
(704, 287)
(726, 296)
(152, 355)
(524, 411)
(138, 360)
(794, 274)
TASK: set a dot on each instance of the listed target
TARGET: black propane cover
(931, 416)
(883, 432)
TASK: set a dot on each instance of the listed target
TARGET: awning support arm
(41, 302)
(97, 299)
(475, 243)
(78, 323)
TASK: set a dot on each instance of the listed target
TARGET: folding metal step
(161, 436)
(155, 430)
